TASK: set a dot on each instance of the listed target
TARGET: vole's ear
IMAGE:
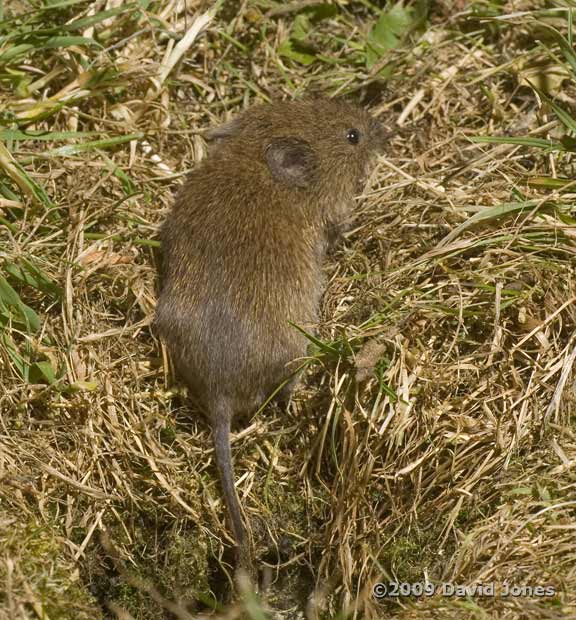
(291, 161)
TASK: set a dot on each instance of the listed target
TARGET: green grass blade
(551, 183)
(521, 141)
(86, 22)
(69, 41)
(326, 348)
(22, 366)
(24, 314)
(14, 52)
(17, 134)
(566, 119)
(42, 372)
(74, 149)
(128, 185)
(62, 5)
(565, 46)
(55, 42)
(490, 214)
(28, 273)
(15, 171)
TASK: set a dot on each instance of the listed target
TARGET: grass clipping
(433, 439)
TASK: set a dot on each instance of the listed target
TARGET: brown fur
(243, 250)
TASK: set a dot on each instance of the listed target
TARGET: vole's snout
(379, 135)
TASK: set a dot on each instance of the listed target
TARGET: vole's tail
(221, 434)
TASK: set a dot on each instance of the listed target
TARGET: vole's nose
(379, 135)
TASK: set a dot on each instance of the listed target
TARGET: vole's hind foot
(284, 397)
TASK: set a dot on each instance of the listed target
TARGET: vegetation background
(433, 438)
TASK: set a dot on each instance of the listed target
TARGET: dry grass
(433, 438)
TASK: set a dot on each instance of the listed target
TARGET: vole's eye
(353, 136)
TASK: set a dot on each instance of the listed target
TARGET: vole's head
(315, 145)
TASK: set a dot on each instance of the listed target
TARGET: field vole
(243, 250)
